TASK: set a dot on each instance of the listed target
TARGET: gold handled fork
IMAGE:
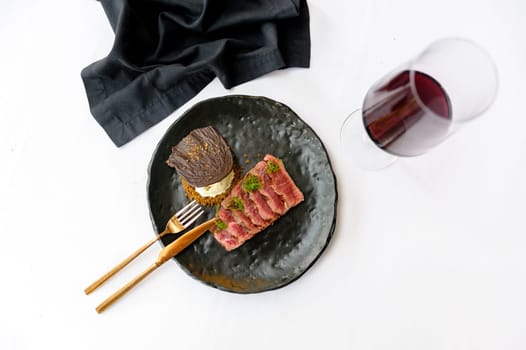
(182, 219)
(168, 252)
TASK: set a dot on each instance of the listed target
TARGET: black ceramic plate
(253, 126)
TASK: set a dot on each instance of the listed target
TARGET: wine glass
(419, 104)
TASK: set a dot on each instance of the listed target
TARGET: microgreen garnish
(220, 224)
(251, 183)
(272, 167)
(236, 204)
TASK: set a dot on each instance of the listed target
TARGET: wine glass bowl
(417, 106)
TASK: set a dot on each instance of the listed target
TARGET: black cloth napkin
(166, 51)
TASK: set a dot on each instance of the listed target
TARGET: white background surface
(428, 254)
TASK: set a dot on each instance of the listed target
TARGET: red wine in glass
(420, 104)
(407, 114)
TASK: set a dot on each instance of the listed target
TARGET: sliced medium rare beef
(250, 209)
(274, 201)
(226, 239)
(262, 206)
(237, 210)
(264, 194)
(282, 182)
(233, 227)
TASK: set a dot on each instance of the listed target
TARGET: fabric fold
(166, 51)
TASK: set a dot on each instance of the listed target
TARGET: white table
(428, 254)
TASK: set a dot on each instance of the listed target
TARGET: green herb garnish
(272, 167)
(220, 224)
(236, 204)
(251, 183)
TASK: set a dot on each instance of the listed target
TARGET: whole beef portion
(263, 195)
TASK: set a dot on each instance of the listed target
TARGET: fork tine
(186, 208)
(190, 220)
(189, 212)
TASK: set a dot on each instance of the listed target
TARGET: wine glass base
(358, 147)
